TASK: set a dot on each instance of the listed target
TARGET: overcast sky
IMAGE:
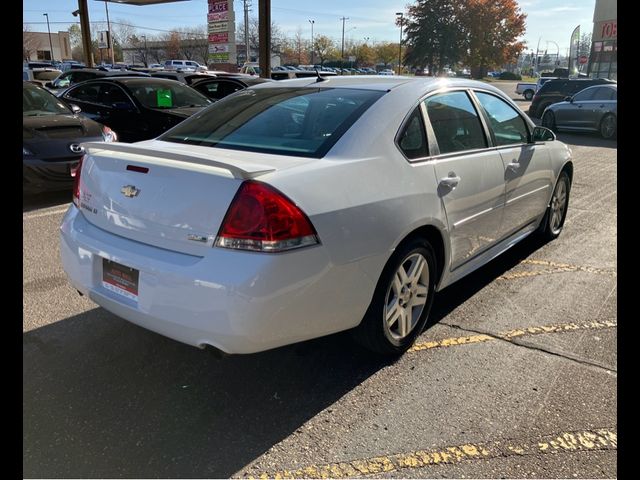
(548, 20)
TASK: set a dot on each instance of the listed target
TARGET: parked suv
(184, 66)
(557, 90)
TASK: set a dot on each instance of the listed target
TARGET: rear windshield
(166, 94)
(287, 121)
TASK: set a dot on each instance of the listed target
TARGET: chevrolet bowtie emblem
(130, 191)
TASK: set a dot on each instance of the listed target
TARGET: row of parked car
(581, 104)
(83, 105)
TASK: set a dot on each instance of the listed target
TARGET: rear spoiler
(247, 171)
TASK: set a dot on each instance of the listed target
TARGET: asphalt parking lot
(515, 376)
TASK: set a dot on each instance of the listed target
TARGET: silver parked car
(594, 109)
(296, 209)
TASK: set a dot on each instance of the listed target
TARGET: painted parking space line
(554, 267)
(56, 211)
(564, 442)
(536, 330)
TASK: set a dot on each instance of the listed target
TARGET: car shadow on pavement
(455, 295)
(105, 398)
(586, 140)
(43, 200)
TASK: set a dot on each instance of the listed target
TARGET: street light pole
(557, 51)
(146, 53)
(400, 44)
(312, 48)
(49, 30)
(342, 50)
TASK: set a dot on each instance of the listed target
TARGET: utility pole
(49, 30)
(246, 31)
(110, 41)
(312, 48)
(537, 53)
(400, 44)
(342, 54)
(264, 31)
(85, 29)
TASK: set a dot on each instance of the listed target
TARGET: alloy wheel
(406, 296)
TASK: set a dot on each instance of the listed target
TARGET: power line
(97, 22)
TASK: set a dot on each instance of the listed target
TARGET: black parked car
(71, 77)
(217, 88)
(183, 77)
(51, 137)
(136, 108)
(557, 90)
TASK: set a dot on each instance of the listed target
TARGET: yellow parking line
(536, 330)
(555, 268)
(601, 439)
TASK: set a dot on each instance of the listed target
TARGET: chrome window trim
(514, 107)
(430, 130)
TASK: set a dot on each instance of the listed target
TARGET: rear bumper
(238, 302)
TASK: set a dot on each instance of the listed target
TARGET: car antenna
(319, 79)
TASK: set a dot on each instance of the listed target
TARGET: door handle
(450, 182)
(513, 166)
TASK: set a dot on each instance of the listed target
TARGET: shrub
(510, 76)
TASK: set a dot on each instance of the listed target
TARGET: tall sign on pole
(574, 45)
(222, 35)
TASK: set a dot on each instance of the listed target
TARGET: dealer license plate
(120, 279)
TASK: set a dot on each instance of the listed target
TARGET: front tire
(528, 95)
(553, 221)
(402, 300)
(549, 120)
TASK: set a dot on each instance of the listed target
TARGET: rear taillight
(75, 173)
(262, 219)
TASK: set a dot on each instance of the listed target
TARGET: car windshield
(287, 121)
(167, 95)
(36, 101)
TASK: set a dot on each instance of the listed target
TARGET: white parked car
(386, 72)
(296, 209)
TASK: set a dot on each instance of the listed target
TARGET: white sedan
(296, 209)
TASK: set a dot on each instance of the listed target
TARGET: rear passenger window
(584, 95)
(455, 122)
(604, 93)
(84, 93)
(413, 141)
(508, 126)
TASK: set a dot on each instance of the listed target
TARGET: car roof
(384, 83)
(132, 80)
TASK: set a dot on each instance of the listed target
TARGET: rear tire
(553, 221)
(608, 126)
(401, 301)
(549, 121)
(528, 95)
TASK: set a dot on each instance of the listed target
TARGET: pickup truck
(526, 89)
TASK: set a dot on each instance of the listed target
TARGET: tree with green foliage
(324, 48)
(387, 53)
(434, 34)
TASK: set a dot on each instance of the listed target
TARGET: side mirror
(568, 99)
(543, 134)
(75, 109)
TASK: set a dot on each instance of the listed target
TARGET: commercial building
(36, 46)
(603, 61)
